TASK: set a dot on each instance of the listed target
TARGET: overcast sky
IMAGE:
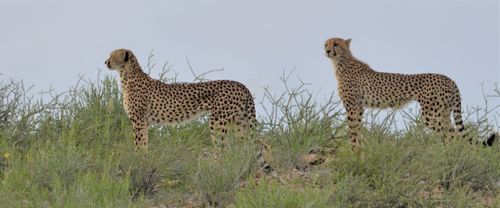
(53, 42)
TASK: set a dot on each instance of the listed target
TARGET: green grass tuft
(76, 150)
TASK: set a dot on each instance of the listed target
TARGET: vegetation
(75, 150)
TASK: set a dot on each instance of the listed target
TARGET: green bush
(76, 150)
(220, 174)
(273, 194)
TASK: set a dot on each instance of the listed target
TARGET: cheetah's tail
(263, 148)
(457, 115)
(457, 112)
(489, 141)
(250, 107)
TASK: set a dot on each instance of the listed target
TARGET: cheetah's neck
(131, 73)
(349, 64)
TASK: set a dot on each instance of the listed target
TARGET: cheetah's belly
(175, 108)
(386, 97)
(387, 91)
(169, 115)
(385, 101)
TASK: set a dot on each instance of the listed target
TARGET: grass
(76, 150)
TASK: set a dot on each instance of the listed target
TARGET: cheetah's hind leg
(446, 127)
(218, 131)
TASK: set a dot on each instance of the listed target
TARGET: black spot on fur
(126, 56)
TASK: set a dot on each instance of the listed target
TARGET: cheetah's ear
(348, 42)
(126, 56)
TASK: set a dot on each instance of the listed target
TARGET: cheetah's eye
(335, 44)
(326, 45)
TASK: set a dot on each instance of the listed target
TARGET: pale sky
(53, 42)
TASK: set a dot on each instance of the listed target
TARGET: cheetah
(149, 101)
(360, 86)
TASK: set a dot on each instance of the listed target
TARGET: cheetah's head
(119, 58)
(336, 48)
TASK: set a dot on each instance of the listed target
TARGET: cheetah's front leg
(141, 134)
(354, 117)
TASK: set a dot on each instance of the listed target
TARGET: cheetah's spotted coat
(148, 101)
(360, 86)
